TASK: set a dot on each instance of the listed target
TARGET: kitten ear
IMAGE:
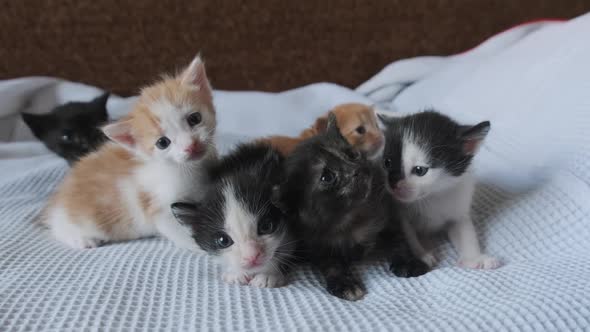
(321, 124)
(473, 136)
(195, 75)
(101, 104)
(184, 212)
(332, 125)
(101, 100)
(38, 123)
(332, 128)
(277, 199)
(120, 132)
(384, 120)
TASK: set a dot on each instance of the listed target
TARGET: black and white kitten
(71, 130)
(339, 207)
(238, 222)
(428, 159)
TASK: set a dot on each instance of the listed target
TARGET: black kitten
(340, 209)
(71, 130)
(237, 221)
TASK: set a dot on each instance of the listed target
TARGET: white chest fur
(168, 182)
(438, 209)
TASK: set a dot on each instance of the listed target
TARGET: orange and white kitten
(157, 157)
(357, 123)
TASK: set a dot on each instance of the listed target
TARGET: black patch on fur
(444, 138)
(337, 223)
(71, 130)
(252, 170)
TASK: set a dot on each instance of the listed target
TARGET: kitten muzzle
(196, 150)
(402, 192)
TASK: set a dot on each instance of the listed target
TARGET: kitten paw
(268, 280)
(346, 289)
(235, 278)
(429, 259)
(483, 262)
(412, 268)
(82, 242)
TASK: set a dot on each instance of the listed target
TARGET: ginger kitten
(157, 156)
(357, 123)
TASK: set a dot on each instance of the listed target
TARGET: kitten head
(325, 175)
(173, 120)
(71, 130)
(237, 220)
(427, 153)
(358, 125)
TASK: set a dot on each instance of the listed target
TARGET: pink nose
(401, 186)
(253, 260)
(194, 148)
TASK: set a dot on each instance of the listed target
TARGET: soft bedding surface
(532, 209)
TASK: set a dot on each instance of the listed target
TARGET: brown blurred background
(257, 44)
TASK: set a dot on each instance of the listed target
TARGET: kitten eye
(328, 177)
(223, 241)
(194, 119)
(162, 142)
(266, 226)
(361, 130)
(66, 136)
(420, 170)
(387, 163)
(354, 155)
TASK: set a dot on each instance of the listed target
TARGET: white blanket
(533, 86)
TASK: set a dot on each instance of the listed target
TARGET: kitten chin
(71, 130)
(339, 208)
(428, 159)
(124, 190)
(237, 221)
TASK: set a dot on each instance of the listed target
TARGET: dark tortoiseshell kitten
(339, 208)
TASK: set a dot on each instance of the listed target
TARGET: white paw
(268, 280)
(429, 259)
(484, 262)
(81, 242)
(235, 278)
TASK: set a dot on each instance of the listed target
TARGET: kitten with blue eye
(237, 221)
(339, 209)
(71, 130)
(428, 160)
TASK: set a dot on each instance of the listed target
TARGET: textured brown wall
(255, 44)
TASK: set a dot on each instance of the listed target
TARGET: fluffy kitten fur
(428, 159)
(71, 130)
(339, 205)
(237, 221)
(357, 123)
(124, 190)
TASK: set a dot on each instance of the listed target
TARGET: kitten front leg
(270, 279)
(464, 238)
(403, 261)
(235, 277)
(341, 282)
(170, 228)
(415, 245)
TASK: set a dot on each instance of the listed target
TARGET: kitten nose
(253, 260)
(194, 148)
